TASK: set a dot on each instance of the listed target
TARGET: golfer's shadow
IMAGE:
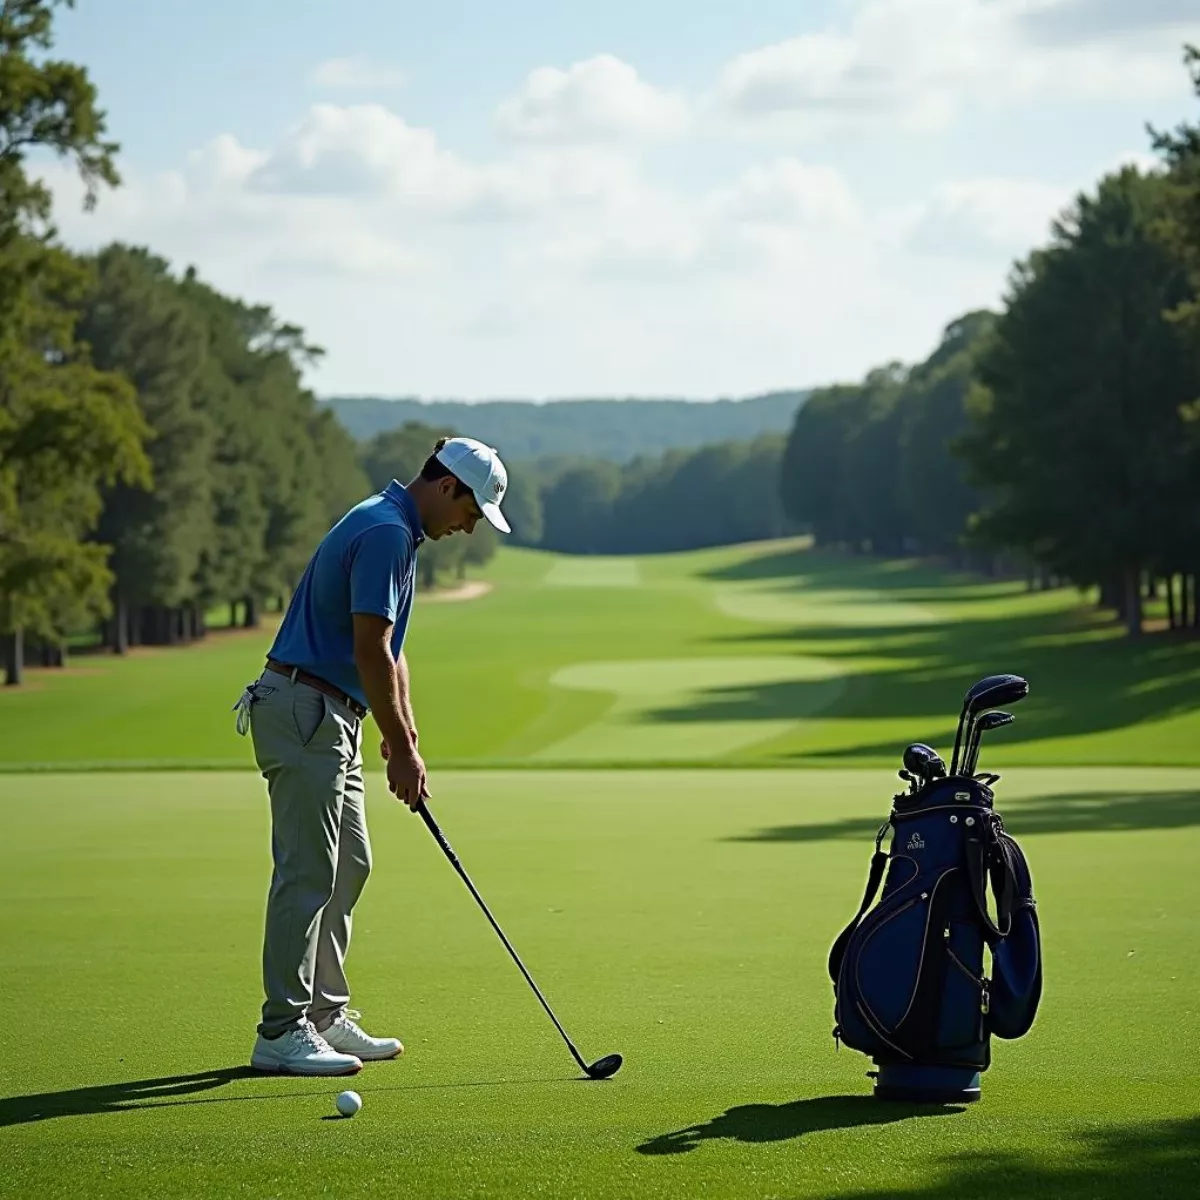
(175, 1090)
(115, 1097)
(781, 1122)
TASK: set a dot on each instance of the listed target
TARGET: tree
(935, 497)
(1078, 416)
(1180, 231)
(67, 430)
(136, 322)
(813, 473)
(578, 508)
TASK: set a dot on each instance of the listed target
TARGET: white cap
(480, 468)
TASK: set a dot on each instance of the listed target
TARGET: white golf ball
(348, 1103)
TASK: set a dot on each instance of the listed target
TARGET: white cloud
(356, 74)
(363, 150)
(919, 63)
(791, 192)
(600, 99)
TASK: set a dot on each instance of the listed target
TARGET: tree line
(1061, 434)
(616, 430)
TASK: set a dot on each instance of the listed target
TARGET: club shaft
(427, 817)
(972, 755)
(957, 739)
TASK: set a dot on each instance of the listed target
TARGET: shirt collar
(399, 495)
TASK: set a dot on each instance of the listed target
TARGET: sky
(684, 198)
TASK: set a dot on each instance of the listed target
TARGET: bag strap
(984, 859)
(874, 878)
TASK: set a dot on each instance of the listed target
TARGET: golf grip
(432, 825)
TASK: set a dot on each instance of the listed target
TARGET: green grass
(680, 918)
(680, 915)
(764, 655)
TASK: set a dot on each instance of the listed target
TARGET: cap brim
(494, 515)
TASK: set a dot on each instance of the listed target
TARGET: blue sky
(655, 198)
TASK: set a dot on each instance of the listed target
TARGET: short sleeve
(379, 570)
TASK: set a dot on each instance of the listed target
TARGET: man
(339, 654)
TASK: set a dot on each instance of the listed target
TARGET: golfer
(339, 654)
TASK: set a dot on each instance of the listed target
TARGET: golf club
(602, 1068)
(993, 691)
(989, 720)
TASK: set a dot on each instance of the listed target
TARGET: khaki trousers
(308, 747)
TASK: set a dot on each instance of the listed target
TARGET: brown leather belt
(317, 682)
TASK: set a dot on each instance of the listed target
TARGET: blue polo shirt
(364, 564)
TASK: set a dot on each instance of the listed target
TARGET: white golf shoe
(302, 1051)
(346, 1036)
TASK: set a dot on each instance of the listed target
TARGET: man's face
(452, 514)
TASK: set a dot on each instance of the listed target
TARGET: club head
(993, 720)
(989, 720)
(924, 762)
(602, 1068)
(995, 691)
(992, 691)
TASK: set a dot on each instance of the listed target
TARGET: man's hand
(406, 777)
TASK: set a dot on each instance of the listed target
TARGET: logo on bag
(916, 842)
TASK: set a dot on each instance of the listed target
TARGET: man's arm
(380, 680)
(380, 676)
(405, 695)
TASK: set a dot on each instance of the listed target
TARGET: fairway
(665, 775)
(762, 655)
(679, 918)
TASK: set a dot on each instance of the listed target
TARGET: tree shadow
(1152, 1159)
(1085, 677)
(758, 1123)
(173, 1090)
(1079, 812)
(828, 571)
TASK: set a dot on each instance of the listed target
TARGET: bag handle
(874, 878)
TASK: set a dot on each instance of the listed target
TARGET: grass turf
(768, 654)
(681, 918)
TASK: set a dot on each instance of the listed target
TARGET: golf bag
(909, 977)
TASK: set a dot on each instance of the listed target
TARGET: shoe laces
(306, 1032)
(349, 1018)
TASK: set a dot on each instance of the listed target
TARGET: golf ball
(348, 1103)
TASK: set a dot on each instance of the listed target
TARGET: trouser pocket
(308, 712)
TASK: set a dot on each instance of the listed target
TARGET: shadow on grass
(167, 1091)
(823, 570)
(1154, 1159)
(757, 1123)
(1085, 677)
(1084, 812)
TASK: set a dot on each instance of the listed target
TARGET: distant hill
(616, 430)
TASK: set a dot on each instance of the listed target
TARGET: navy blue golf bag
(910, 981)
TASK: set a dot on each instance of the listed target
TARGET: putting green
(680, 918)
(638, 725)
(594, 573)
